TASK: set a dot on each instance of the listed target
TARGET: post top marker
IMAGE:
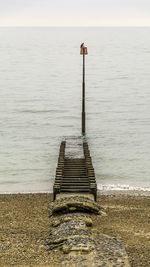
(83, 50)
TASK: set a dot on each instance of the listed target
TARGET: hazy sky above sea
(74, 12)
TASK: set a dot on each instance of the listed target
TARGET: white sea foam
(119, 187)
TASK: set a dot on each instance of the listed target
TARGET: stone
(64, 205)
(72, 217)
(72, 234)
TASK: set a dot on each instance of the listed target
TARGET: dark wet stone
(72, 217)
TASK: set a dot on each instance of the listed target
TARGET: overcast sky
(74, 12)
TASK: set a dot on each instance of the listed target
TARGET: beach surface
(24, 227)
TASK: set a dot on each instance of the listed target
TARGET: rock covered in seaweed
(72, 233)
(72, 204)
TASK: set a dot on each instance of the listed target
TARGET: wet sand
(24, 226)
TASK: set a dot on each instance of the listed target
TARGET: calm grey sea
(40, 103)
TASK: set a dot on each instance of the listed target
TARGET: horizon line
(114, 26)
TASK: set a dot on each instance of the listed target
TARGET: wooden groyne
(72, 232)
(74, 203)
(75, 172)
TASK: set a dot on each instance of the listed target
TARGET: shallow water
(40, 103)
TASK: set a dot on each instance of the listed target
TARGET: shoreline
(125, 192)
(113, 192)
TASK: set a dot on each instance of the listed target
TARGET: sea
(40, 104)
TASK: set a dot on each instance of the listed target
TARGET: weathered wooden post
(83, 51)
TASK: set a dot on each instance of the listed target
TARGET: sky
(75, 13)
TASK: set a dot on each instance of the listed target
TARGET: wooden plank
(73, 174)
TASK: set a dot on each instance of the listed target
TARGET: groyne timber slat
(75, 172)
